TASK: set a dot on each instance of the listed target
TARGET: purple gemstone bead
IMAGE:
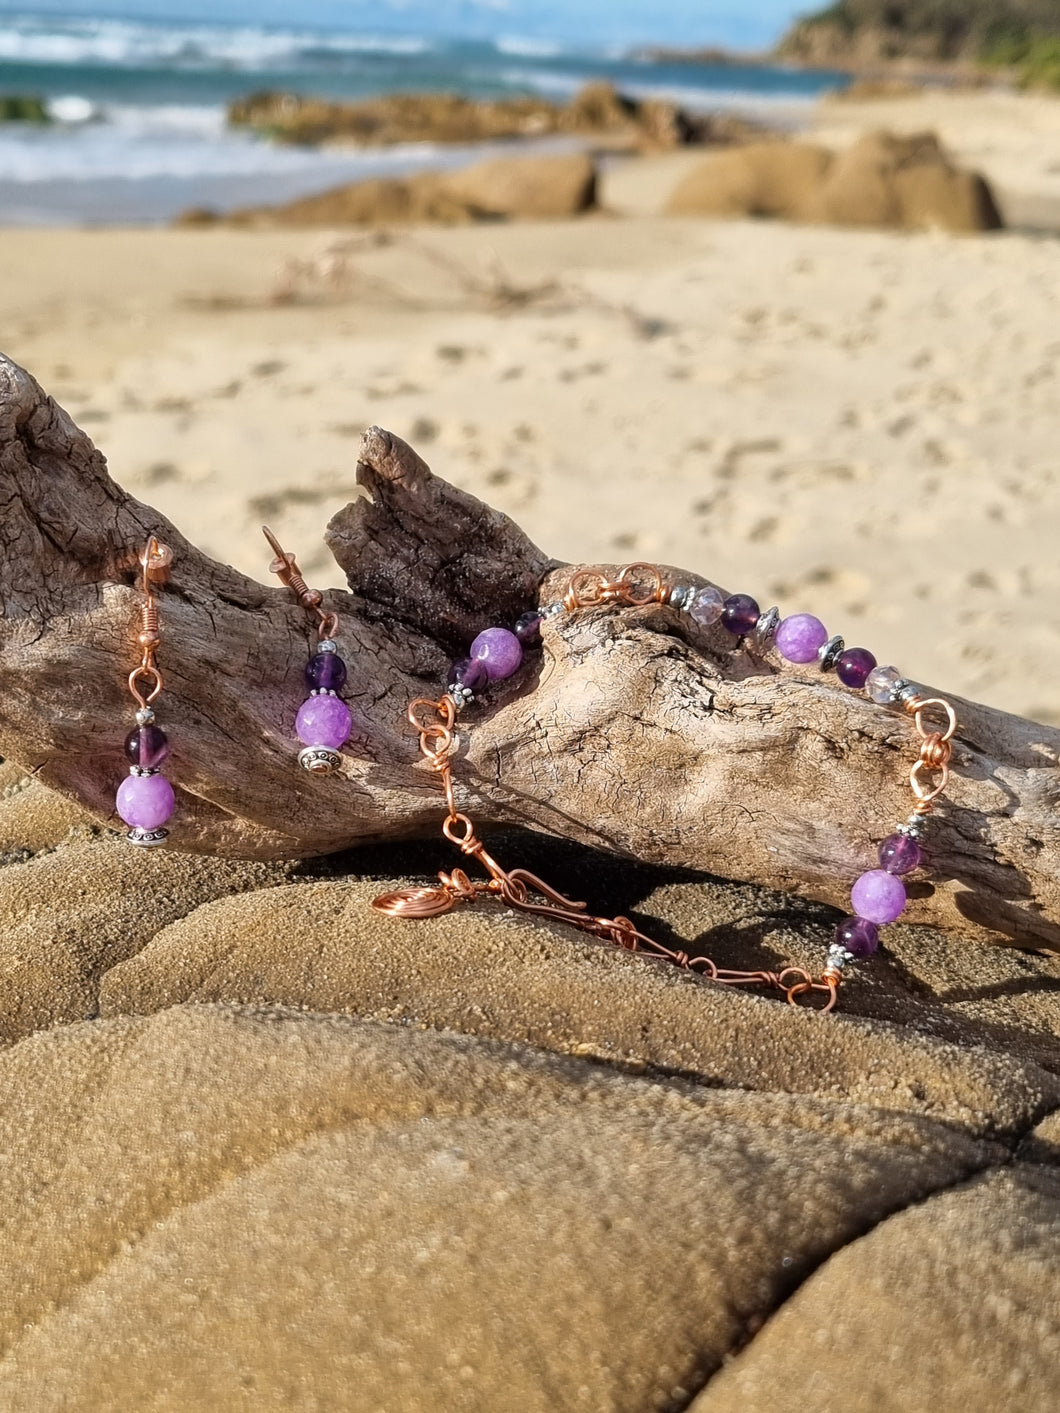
(326, 672)
(878, 896)
(145, 801)
(859, 936)
(499, 650)
(528, 629)
(899, 854)
(147, 746)
(323, 721)
(854, 666)
(740, 613)
(800, 637)
(469, 672)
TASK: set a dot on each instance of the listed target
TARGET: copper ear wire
(155, 560)
(285, 567)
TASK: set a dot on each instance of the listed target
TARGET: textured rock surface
(481, 1163)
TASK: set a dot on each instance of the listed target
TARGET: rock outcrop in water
(598, 110)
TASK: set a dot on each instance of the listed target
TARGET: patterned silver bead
(147, 838)
(904, 692)
(680, 595)
(839, 957)
(460, 694)
(327, 645)
(765, 630)
(552, 610)
(145, 716)
(320, 760)
(143, 770)
(830, 653)
(913, 827)
(323, 692)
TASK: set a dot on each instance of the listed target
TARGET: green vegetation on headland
(1020, 36)
(20, 108)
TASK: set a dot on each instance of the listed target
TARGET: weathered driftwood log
(630, 730)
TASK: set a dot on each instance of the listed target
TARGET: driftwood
(630, 730)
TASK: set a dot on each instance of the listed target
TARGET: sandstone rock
(497, 189)
(947, 1307)
(759, 179)
(882, 180)
(525, 187)
(217, 1208)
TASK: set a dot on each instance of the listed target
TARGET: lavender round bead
(469, 672)
(880, 683)
(899, 854)
(528, 629)
(854, 666)
(147, 746)
(323, 721)
(500, 652)
(859, 936)
(800, 637)
(145, 801)
(707, 606)
(878, 896)
(326, 672)
(740, 613)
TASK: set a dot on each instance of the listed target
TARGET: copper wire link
(154, 560)
(285, 567)
(515, 887)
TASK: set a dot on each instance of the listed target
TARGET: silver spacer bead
(327, 645)
(839, 957)
(143, 770)
(680, 596)
(830, 653)
(145, 716)
(147, 838)
(914, 826)
(462, 696)
(319, 760)
(903, 691)
(552, 610)
(766, 627)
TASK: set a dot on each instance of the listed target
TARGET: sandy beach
(859, 424)
(263, 1146)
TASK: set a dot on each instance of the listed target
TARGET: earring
(145, 797)
(323, 723)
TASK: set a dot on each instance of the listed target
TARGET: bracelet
(877, 897)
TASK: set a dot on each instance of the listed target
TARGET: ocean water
(139, 129)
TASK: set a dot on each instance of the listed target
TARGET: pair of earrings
(145, 799)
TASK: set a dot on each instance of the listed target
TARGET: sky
(748, 25)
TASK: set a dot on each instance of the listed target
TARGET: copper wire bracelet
(877, 897)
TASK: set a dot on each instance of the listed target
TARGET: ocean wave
(556, 84)
(524, 48)
(127, 44)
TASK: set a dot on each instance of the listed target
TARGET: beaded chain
(877, 897)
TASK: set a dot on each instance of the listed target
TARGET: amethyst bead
(800, 637)
(147, 746)
(878, 896)
(323, 721)
(740, 614)
(145, 801)
(469, 672)
(854, 666)
(528, 629)
(859, 936)
(899, 854)
(707, 606)
(499, 651)
(326, 672)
